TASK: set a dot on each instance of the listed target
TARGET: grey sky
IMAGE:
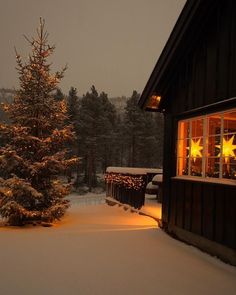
(112, 44)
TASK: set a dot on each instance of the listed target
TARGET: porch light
(153, 102)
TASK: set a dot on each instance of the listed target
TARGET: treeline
(106, 136)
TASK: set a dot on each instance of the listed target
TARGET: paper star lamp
(228, 148)
(195, 150)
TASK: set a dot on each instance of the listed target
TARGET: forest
(107, 134)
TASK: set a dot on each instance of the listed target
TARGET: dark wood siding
(205, 209)
(205, 73)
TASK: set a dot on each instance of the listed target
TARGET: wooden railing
(127, 185)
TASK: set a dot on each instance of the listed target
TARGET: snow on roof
(135, 171)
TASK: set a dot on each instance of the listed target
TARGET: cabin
(194, 85)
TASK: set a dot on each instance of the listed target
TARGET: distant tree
(133, 124)
(73, 115)
(58, 95)
(96, 123)
(142, 135)
(88, 135)
(73, 106)
(106, 140)
(30, 190)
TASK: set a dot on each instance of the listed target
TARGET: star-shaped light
(195, 150)
(228, 148)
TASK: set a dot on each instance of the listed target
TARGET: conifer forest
(52, 141)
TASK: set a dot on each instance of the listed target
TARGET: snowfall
(101, 249)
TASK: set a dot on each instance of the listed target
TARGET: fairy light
(127, 181)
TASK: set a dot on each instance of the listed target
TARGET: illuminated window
(207, 146)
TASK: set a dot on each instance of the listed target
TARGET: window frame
(205, 136)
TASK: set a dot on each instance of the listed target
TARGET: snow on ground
(99, 249)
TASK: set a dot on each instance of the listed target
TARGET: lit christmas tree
(34, 154)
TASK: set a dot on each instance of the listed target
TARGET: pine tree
(142, 135)
(34, 155)
(73, 106)
(133, 128)
(88, 131)
(73, 115)
(96, 123)
(58, 95)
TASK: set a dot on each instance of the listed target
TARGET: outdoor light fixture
(153, 102)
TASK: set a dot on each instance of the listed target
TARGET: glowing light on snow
(228, 148)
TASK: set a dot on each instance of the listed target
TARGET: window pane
(229, 171)
(213, 146)
(214, 124)
(184, 129)
(213, 167)
(183, 148)
(196, 167)
(197, 128)
(182, 166)
(230, 122)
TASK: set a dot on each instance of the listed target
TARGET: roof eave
(167, 53)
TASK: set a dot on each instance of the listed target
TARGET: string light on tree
(37, 141)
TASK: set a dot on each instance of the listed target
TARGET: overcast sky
(113, 44)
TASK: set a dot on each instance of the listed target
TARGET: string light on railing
(127, 181)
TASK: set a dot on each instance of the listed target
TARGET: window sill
(208, 180)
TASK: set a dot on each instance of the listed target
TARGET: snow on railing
(127, 185)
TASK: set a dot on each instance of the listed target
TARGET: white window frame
(204, 136)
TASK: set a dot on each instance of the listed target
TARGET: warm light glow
(228, 148)
(135, 182)
(154, 101)
(195, 150)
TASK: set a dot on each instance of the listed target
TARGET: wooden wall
(204, 74)
(206, 209)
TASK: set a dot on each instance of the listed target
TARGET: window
(207, 146)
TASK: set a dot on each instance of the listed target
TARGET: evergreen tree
(88, 135)
(106, 130)
(73, 114)
(58, 95)
(96, 122)
(34, 156)
(142, 134)
(133, 127)
(73, 106)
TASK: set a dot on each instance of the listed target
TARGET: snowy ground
(99, 249)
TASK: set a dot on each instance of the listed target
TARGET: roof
(155, 88)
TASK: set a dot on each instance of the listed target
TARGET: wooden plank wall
(206, 209)
(205, 73)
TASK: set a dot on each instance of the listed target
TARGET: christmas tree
(34, 155)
